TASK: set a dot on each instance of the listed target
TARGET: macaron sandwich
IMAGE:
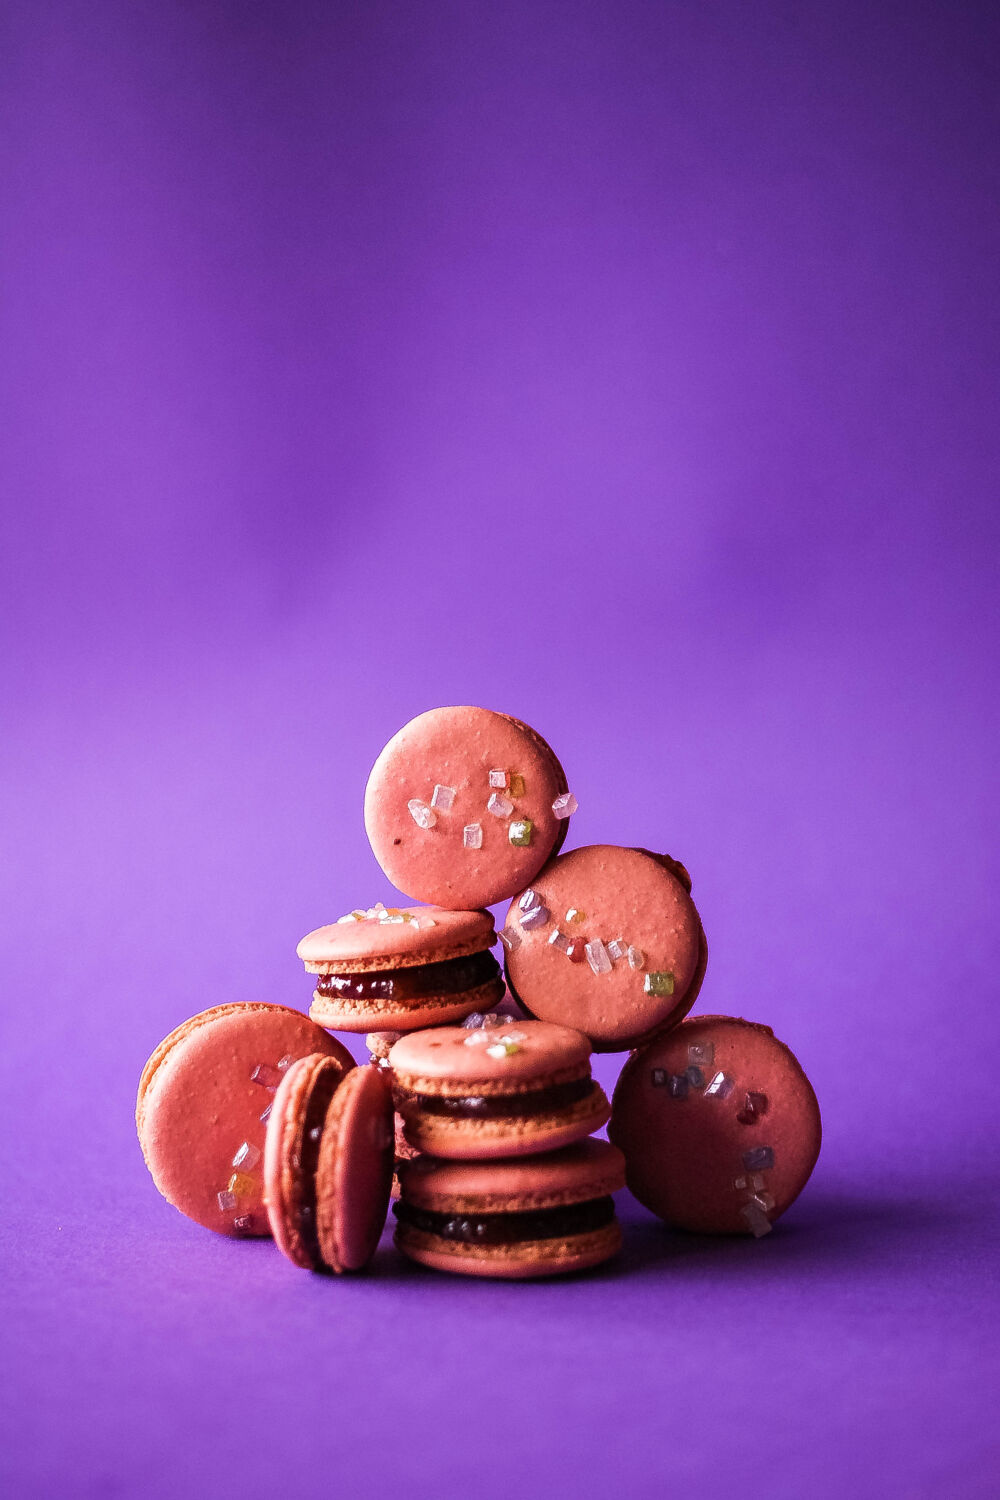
(478, 1107)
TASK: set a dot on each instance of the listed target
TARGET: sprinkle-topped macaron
(464, 806)
(205, 1097)
(328, 1165)
(719, 1125)
(537, 1216)
(489, 1090)
(402, 968)
(609, 941)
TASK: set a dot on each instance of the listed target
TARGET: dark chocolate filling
(505, 1106)
(308, 1158)
(510, 1229)
(448, 977)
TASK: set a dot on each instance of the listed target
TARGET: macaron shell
(589, 1169)
(367, 943)
(447, 1059)
(284, 1190)
(486, 1140)
(354, 1175)
(417, 1015)
(685, 1156)
(198, 1104)
(523, 1262)
(457, 748)
(621, 893)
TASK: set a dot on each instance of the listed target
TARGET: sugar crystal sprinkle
(499, 779)
(678, 1086)
(266, 1115)
(561, 941)
(241, 1185)
(617, 948)
(576, 915)
(247, 1156)
(636, 957)
(443, 797)
(422, 815)
(516, 785)
(226, 1201)
(597, 957)
(519, 832)
(472, 836)
(266, 1076)
(659, 982)
(499, 806)
(754, 1107)
(577, 951)
(471, 1022)
(529, 899)
(720, 1087)
(658, 1077)
(695, 1077)
(536, 917)
(760, 1159)
(505, 1047)
(757, 1219)
(285, 1062)
(510, 938)
(477, 1038)
(565, 805)
(701, 1053)
(244, 1223)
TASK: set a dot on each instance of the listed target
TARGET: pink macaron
(537, 1216)
(607, 940)
(464, 806)
(719, 1125)
(204, 1099)
(328, 1165)
(486, 1091)
(402, 968)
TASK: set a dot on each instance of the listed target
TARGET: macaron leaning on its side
(328, 1165)
(401, 969)
(491, 1091)
(464, 806)
(204, 1099)
(537, 1216)
(608, 940)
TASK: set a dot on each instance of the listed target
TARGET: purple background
(628, 367)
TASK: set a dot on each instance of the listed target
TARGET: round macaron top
(588, 1169)
(459, 806)
(204, 1099)
(608, 940)
(354, 1173)
(522, 1055)
(421, 935)
(719, 1125)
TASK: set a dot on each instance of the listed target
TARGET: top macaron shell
(456, 749)
(620, 893)
(199, 1104)
(354, 1174)
(448, 1059)
(434, 934)
(689, 1153)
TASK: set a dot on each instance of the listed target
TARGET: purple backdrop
(628, 367)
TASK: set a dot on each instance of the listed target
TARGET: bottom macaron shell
(481, 1140)
(339, 1015)
(525, 1261)
(289, 1192)
(354, 1174)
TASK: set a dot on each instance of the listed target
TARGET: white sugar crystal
(349, 918)
(529, 899)
(422, 815)
(617, 948)
(471, 1022)
(561, 941)
(472, 836)
(247, 1156)
(226, 1201)
(499, 1050)
(509, 938)
(513, 1037)
(500, 807)
(477, 1038)
(443, 797)
(565, 805)
(499, 779)
(636, 958)
(536, 917)
(597, 957)
(757, 1219)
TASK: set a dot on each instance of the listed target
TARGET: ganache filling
(448, 977)
(513, 1228)
(312, 1134)
(505, 1106)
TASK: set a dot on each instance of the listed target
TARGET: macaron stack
(478, 1108)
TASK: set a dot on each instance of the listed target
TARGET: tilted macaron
(204, 1099)
(609, 941)
(402, 968)
(489, 1091)
(537, 1216)
(464, 806)
(328, 1165)
(719, 1125)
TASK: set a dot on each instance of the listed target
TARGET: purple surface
(630, 368)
